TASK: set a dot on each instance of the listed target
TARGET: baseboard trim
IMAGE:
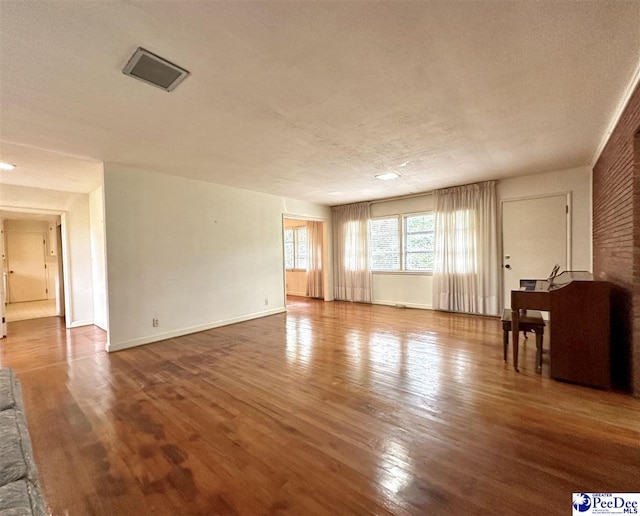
(117, 346)
(297, 294)
(402, 305)
(77, 324)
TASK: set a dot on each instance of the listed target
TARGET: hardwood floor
(332, 408)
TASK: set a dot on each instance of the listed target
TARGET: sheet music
(554, 273)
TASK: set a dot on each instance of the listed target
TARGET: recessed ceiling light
(6, 166)
(386, 176)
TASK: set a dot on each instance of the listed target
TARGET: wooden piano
(578, 309)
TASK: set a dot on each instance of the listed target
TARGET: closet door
(534, 239)
(26, 267)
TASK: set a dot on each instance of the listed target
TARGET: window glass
(419, 242)
(288, 249)
(296, 248)
(384, 244)
(301, 248)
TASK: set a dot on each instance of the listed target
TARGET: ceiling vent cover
(154, 70)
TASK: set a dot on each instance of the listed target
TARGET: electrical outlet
(156, 323)
(266, 301)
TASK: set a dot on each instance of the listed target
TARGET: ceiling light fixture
(387, 175)
(6, 166)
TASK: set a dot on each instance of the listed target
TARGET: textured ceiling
(311, 99)
(43, 169)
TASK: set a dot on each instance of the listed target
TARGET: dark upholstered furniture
(20, 493)
(530, 321)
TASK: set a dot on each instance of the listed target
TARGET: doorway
(535, 237)
(304, 257)
(32, 267)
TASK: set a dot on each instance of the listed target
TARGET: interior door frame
(568, 220)
(68, 312)
(326, 278)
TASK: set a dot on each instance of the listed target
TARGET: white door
(534, 239)
(27, 273)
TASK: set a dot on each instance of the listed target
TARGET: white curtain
(314, 267)
(466, 269)
(351, 252)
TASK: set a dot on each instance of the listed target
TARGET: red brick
(616, 239)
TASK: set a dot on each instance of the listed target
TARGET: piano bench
(531, 321)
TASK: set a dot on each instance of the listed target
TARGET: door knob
(507, 266)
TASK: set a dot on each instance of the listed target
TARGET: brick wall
(616, 240)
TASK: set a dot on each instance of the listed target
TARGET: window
(302, 248)
(384, 243)
(295, 248)
(410, 249)
(288, 248)
(419, 242)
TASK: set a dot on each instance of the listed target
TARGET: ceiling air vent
(154, 70)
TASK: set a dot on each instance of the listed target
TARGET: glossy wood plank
(332, 408)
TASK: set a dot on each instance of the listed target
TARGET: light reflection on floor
(378, 359)
(393, 473)
(407, 370)
(299, 347)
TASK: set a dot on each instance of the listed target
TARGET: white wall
(75, 210)
(415, 290)
(410, 290)
(191, 254)
(78, 241)
(577, 182)
(98, 263)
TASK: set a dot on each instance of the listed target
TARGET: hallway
(30, 310)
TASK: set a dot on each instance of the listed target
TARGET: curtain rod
(387, 199)
(409, 196)
(399, 198)
(430, 192)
